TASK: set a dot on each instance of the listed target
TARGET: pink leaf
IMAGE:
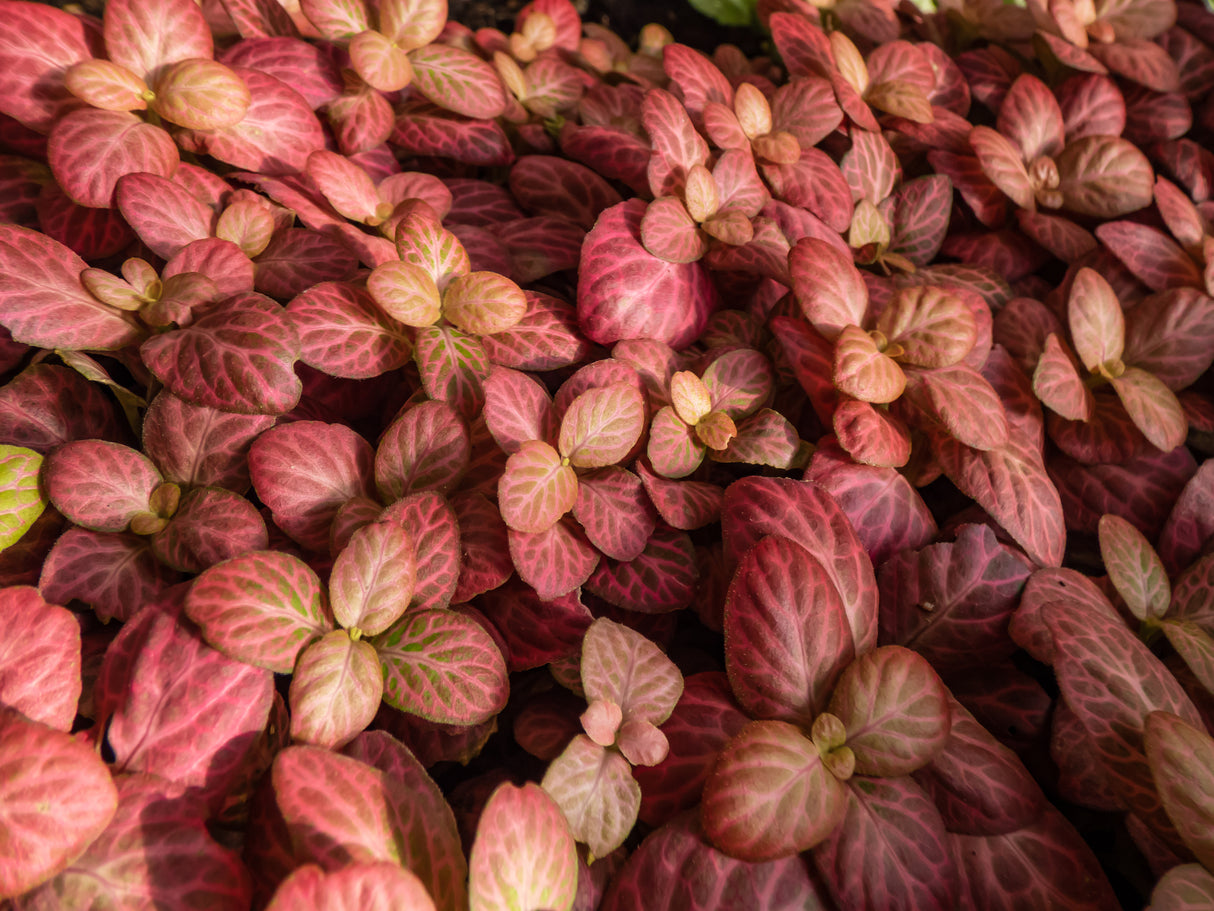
(803, 512)
(517, 409)
(1170, 335)
(933, 328)
(545, 338)
(57, 797)
(427, 447)
(677, 145)
(895, 710)
(39, 658)
(601, 426)
(373, 578)
(275, 136)
(670, 233)
(146, 40)
(960, 400)
(813, 182)
(379, 805)
(114, 574)
(179, 709)
(442, 666)
(685, 505)
(344, 333)
(553, 562)
(770, 796)
(1150, 254)
(164, 214)
(37, 50)
(99, 485)
(201, 95)
(870, 166)
(621, 665)
(359, 887)
(889, 849)
(1134, 568)
(1031, 118)
(787, 632)
(862, 370)
(305, 471)
(335, 691)
(871, 435)
(523, 855)
(1180, 756)
(622, 278)
(674, 449)
(424, 129)
(484, 303)
(262, 608)
(44, 304)
(89, 150)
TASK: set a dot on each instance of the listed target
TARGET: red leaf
(1057, 383)
(344, 333)
(453, 367)
(881, 504)
(960, 400)
(770, 796)
(372, 580)
(670, 233)
(146, 40)
(623, 278)
(38, 47)
(305, 471)
(546, 185)
(484, 541)
(358, 887)
(423, 129)
(890, 848)
(1151, 255)
(378, 806)
(57, 797)
(209, 526)
(1105, 176)
(614, 512)
(1170, 335)
(1032, 119)
(39, 658)
(661, 579)
(431, 521)
(201, 95)
(275, 136)
(518, 409)
(427, 447)
(180, 710)
(871, 435)
(1001, 162)
(787, 632)
(164, 214)
(685, 505)
(755, 507)
(545, 338)
(537, 632)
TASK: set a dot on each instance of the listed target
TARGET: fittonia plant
(515, 468)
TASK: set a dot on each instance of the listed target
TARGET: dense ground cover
(516, 468)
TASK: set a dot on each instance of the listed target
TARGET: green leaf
(21, 502)
(726, 12)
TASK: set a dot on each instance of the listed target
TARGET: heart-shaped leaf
(895, 710)
(262, 608)
(524, 854)
(442, 666)
(787, 636)
(770, 796)
(57, 797)
(621, 665)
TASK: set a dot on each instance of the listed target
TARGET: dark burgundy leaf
(660, 580)
(114, 574)
(210, 525)
(199, 446)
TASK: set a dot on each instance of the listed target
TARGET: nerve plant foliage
(516, 469)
